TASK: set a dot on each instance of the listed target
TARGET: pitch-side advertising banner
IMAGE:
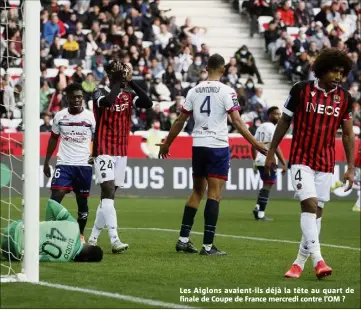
(168, 178)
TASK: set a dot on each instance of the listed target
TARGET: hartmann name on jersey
(207, 89)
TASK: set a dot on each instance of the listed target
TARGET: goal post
(31, 53)
(21, 170)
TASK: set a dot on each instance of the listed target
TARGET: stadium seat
(263, 22)
(85, 31)
(147, 44)
(139, 34)
(64, 2)
(61, 62)
(179, 76)
(14, 73)
(14, 3)
(293, 32)
(52, 72)
(316, 11)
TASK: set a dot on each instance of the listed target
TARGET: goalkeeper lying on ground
(59, 239)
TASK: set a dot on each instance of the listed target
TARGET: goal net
(19, 148)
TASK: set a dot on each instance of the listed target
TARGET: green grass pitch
(152, 270)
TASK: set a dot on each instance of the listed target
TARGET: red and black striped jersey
(112, 123)
(317, 115)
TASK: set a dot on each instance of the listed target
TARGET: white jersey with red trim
(76, 132)
(210, 102)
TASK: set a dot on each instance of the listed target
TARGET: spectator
(50, 29)
(301, 67)
(185, 60)
(78, 76)
(257, 8)
(156, 67)
(56, 49)
(356, 113)
(160, 91)
(44, 78)
(258, 98)
(195, 69)
(169, 77)
(45, 93)
(204, 52)
(177, 106)
(71, 49)
(334, 14)
(71, 24)
(302, 17)
(46, 126)
(250, 90)
(271, 35)
(173, 28)
(353, 41)
(287, 14)
(61, 80)
(300, 44)
(163, 37)
(320, 39)
(57, 102)
(247, 63)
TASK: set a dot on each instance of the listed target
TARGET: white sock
(304, 254)
(358, 202)
(111, 221)
(310, 233)
(98, 224)
(207, 246)
(318, 223)
(261, 214)
(184, 239)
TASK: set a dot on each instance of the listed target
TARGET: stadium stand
(294, 32)
(168, 57)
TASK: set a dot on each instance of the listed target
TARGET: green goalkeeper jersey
(59, 236)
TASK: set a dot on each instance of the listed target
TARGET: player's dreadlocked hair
(117, 71)
(331, 58)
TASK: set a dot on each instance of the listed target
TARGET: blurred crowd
(78, 39)
(296, 31)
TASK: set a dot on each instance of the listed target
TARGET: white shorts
(309, 183)
(109, 168)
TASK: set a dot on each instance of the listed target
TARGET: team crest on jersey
(299, 186)
(104, 175)
(336, 98)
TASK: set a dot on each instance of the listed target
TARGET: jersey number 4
(206, 105)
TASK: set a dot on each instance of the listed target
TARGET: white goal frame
(31, 144)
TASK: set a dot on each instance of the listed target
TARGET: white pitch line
(144, 301)
(245, 237)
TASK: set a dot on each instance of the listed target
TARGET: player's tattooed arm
(143, 101)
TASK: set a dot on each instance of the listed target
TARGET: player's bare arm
(143, 101)
(348, 140)
(281, 159)
(53, 142)
(173, 133)
(283, 124)
(243, 130)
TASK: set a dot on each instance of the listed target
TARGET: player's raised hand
(128, 72)
(349, 177)
(163, 150)
(46, 170)
(260, 147)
